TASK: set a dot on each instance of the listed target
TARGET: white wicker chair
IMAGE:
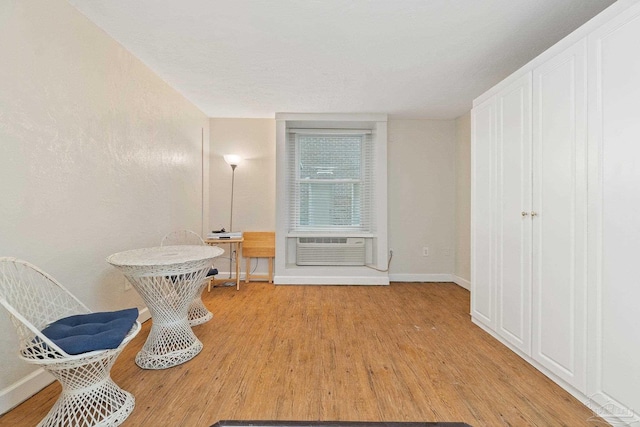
(89, 396)
(198, 313)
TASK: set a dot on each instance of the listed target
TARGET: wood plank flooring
(406, 352)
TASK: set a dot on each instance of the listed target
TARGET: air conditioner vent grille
(340, 240)
(330, 251)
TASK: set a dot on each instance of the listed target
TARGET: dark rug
(236, 423)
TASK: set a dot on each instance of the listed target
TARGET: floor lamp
(233, 160)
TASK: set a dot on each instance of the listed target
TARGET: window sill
(331, 234)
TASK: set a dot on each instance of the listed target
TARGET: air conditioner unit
(330, 251)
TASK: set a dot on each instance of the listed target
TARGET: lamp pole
(232, 160)
(233, 177)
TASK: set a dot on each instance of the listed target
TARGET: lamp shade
(232, 159)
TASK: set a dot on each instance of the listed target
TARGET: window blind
(330, 181)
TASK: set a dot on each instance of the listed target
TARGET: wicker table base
(168, 279)
(171, 340)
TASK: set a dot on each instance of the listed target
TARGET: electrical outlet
(127, 284)
(425, 251)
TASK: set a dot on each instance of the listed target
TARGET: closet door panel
(560, 204)
(614, 120)
(483, 127)
(514, 199)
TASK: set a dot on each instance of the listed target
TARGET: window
(331, 180)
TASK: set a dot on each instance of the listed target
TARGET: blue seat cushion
(94, 331)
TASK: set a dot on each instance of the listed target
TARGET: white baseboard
(463, 283)
(24, 388)
(225, 275)
(330, 280)
(323, 280)
(420, 278)
(143, 315)
(21, 390)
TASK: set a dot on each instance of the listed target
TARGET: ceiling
(406, 58)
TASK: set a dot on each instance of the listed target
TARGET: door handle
(534, 213)
(524, 213)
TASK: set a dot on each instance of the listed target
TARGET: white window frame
(286, 271)
(365, 204)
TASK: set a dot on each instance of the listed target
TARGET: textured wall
(463, 197)
(97, 155)
(421, 198)
(255, 181)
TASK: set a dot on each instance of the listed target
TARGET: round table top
(164, 255)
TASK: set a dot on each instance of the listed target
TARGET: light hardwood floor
(406, 352)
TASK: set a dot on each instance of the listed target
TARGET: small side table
(167, 278)
(235, 255)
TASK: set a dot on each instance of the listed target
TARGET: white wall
(462, 270)
(97, 155)
(421, 156)
(255, 178)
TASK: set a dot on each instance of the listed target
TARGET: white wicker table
(167, 278)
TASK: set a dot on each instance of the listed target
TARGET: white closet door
(513, 213)
(614, 190)
(559, 226)
(483, 131)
